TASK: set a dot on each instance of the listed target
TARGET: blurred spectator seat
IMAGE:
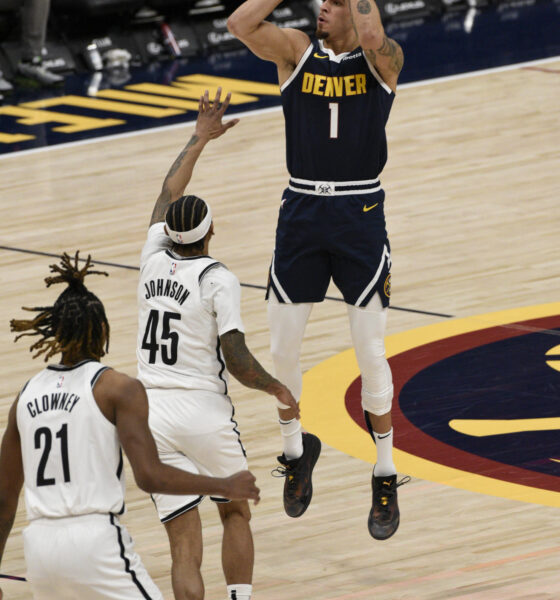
(95, 7)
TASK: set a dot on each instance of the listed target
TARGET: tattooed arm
(11, 476)
(248, 371)
(383, 53)
(209, 126)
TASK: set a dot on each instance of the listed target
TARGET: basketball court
(472, 187)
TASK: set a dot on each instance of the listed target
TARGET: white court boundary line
(260, 111)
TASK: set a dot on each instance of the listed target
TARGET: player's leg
(361, 266)
(237, 549)
(367, 327)
(299, 276)
(169, 424)
(300, 451)
(219, 452)
(185, 542)
(287, 326)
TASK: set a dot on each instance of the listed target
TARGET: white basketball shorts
(87, 557)
(194, 431)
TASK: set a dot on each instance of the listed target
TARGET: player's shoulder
(299, 42)
(217, 273)
(112, 384)
(157, 241)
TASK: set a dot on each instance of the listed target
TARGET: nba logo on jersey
(60, 381)
(173, 268)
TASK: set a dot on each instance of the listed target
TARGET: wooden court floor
(472, 185)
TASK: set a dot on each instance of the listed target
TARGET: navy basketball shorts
(324, 237)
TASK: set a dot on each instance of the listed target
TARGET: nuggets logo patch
(387, 286)
(475, 403)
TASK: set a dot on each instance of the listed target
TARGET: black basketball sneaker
(384, 516)
(298, 488)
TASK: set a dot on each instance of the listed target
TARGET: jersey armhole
(298, 67)
(23, 389)
(97, 375)
(209, 268)
(94, 380)
(201, 277)
(377, 75)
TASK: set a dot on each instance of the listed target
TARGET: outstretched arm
(11, 477)
(248, 371)
(209, 126)
(123, 401)
(384, 54)
(269, 42)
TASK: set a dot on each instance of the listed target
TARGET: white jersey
(184, 305)
(72, 459)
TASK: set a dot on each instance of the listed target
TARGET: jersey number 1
(150, 340)
(333, 107)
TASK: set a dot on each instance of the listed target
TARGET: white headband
(193, 235)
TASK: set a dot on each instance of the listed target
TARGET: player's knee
(192, 593)
(235, 510)
(186, 585)
(377, 402)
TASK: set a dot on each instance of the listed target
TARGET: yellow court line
(485, 427)
(324, 411)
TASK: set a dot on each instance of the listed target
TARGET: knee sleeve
(287, 326)
(368, 330)
(377, 403)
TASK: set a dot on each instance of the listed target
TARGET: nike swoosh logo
(366, 208)
(317, 55)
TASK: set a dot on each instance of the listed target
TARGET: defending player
(190, 335)
(63, 443)
(337, 90)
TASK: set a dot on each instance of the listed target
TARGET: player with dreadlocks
(63, 444)
(76, 325)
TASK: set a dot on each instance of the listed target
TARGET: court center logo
(476, 403)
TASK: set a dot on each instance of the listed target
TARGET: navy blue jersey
(335, 108)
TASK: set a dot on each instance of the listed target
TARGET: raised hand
(209, 124)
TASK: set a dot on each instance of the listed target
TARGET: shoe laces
(280, 472)
(286, 470)
(384, 494)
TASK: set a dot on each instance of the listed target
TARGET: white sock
(384, 445)
(291, 436)
(239, 591)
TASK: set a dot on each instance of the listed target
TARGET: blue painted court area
(166, 93)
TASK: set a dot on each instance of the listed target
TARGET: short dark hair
(185, 214)
(75, 322)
